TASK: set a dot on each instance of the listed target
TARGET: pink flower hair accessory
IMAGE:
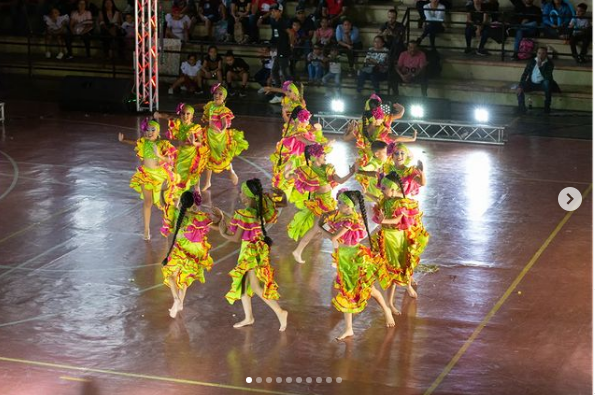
(304, 116)
(378, 113)
(316, 150)
(286, 85)
(180, 108)
(215, 87)
(374, 96)
(390, 148)
(144, 126)
(197, 197)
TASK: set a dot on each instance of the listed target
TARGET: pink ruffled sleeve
(306, 180)
(198, 228)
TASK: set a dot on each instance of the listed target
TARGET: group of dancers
(169, 178)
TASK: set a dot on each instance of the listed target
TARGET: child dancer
(402, 237)
(253, 268)
(412, 177)
(317, 178)
(156, 172)
(292, 98)
(225, 143)
(193, 152)
(188, 256)
(357, 267)
(368, 175)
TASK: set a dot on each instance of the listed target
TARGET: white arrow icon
(570, 199)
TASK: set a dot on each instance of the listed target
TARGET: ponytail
(394, 177)
(255, 187)
(186, 201)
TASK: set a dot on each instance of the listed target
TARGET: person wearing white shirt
(434, 15)
(189, 76)
(178, 25)
(581, 32)
(538, 75)
(56, 29)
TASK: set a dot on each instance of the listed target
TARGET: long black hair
(394, 177)
(186, 201)
(255, 186)
(373, 104)
(357, 197)
(292, 117)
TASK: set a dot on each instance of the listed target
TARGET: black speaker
(96, 94)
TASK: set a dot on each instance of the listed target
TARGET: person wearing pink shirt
(410, 68)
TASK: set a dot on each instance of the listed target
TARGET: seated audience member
(241, 12)
(178, 25)
(334, 70)
(262, 16)
(434, 14)
(188, 76)
(236, 69)
(187, 8)
(410, 68)
(348, 40)
(556, 17)
(528, 21)
(580, 31)
(129, 32)
(263, 76)
(56, 30)
(81, 25)
(325, 34)
(110, 20)
(538, 75)
(315, 68)
(375, 66)
(478, 24)
(210, 12)
(393, 33)
(212, 66)
(337, 10)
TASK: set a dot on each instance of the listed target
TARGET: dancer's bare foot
(173, 312)
(244, 322)
(147, 235)
(233, 177)
(283, 320)
(390, 321)
(411, 292)
(298, 257)
(207, 186)
(348, 333)
(394, 310)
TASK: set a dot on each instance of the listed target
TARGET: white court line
(35, 258)
(39, 317)
(15, 175)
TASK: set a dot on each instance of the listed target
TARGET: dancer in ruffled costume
(188, 256)
(412, 177)
(193, 152)
(358, 266)
(156, 174)
(402, 237)
(224, 143)
(292, 97)
(253, 273)
(317, 179)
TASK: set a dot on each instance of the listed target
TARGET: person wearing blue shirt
(556, 17)
(348, 39)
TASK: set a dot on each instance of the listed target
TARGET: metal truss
(426, 130)
(146, 64)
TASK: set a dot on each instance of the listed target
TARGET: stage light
(417, 111)
(337, 105)
(482, 115)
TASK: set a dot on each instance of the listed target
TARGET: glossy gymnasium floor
(83, 310)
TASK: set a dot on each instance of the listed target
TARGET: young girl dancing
(156, 172)
(225, 143)
(292, 98)
(357, 266)
(412, 177)
(188, 256)
(193, 152)
(317, 178)
(253, 268)
(402, 237)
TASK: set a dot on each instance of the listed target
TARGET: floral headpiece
(304, 115)
(215, 87)
(378, 113)
(148, 123)
(197, 197)
(315, 150)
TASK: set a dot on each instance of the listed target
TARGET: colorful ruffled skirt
(303, 220)
(224, 147)
(357, 269)
(152, 179)
(188, 261)
(190, 163)
(253, 256)
(400, 251)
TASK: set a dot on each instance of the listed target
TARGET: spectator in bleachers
(580, 30)
(212, 67)
(538, 75)
(189, 77)
(393, 33)
(110, 21)
(478, 24)
(81, 25)
(325, 34)
(434, 17)
(349, 41)
(556, 17)
(187, 8)
(306, 24)
(528, 21)
(236, 69)
(315, 68)
(375, 66)
(280, 41)
(334, 70)
(178, 25)
(263, 76)
(241, 12)
(336, 11)
(420, 5)
(210, 12)
(298, 39)
(410, 68)
(262, 16)
(56, 30)
(128, 31)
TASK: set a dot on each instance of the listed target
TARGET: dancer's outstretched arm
(124, 140)
(352, 171)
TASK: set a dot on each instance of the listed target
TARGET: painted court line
(36, 257)
(503, 299)
(142, 376)
(39, 317)
(15, 175)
